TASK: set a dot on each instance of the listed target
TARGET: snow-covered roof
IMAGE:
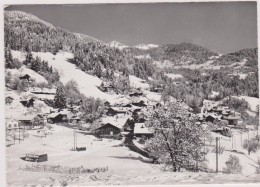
(11, 121)
(118, 122)
(140, 128)
(65, 112)
(43, 90)
(28, 117)
(119, 109)
(23, 71)
(53, 115)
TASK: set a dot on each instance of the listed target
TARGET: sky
(222, 27)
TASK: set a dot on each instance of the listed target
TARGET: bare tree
(177, 140)
(251, 145)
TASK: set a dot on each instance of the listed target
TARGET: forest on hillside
(25, 32)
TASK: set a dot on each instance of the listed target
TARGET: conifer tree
(8, 58)
(60, 97)
(28, 59)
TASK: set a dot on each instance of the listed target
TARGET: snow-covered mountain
(118, 45)
(146, 46)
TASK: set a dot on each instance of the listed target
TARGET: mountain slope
(117, 45)
(248, 55)
(183, 53)
(25, 31)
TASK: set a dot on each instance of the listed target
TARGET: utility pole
(241, 139)
(216, 154)
(219, 145)
(74, 138)
(232, 140)
(19, 134)
(257, 128)
(204, 149)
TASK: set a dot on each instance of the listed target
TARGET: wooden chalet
(55, 118)
(25, 77)
(111, 126)
(139, 102)
(106, 87)
(107, 130)
(28, 103)
(8, 100)
(31, 121)
(135, 94)
(66, 115)
(234, 120)
(112, 111)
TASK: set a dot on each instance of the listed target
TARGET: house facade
(31, 121)
(12, 124)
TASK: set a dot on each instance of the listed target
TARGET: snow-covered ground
(174, 76)
(248, 162)
(253, 101)
(87, 83)
(23, 71)
(116, 44)
(143, 56)
(137, 82)
(15, 110)
(146, 46)
(124, 166)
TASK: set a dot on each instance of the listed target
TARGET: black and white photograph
(155, 93)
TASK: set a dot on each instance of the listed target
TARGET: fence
(62, 169)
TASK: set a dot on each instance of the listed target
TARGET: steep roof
(53, 115)
(28, 117)
(119, 109)
(140, 128)
(118, 122)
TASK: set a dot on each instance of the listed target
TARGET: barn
(107, 130)
(111, 126)
(31, 121)
(54, 118)
(112, 111)
(66, 115)
(25, 77)
(28, 103)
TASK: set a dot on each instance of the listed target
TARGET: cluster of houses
(212, 111)
(127, 115)
(26, 121)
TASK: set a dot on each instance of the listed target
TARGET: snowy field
(174, 76)
(87, 83)
(124, 166)
(252, 101)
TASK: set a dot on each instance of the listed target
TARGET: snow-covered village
(80, 111)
